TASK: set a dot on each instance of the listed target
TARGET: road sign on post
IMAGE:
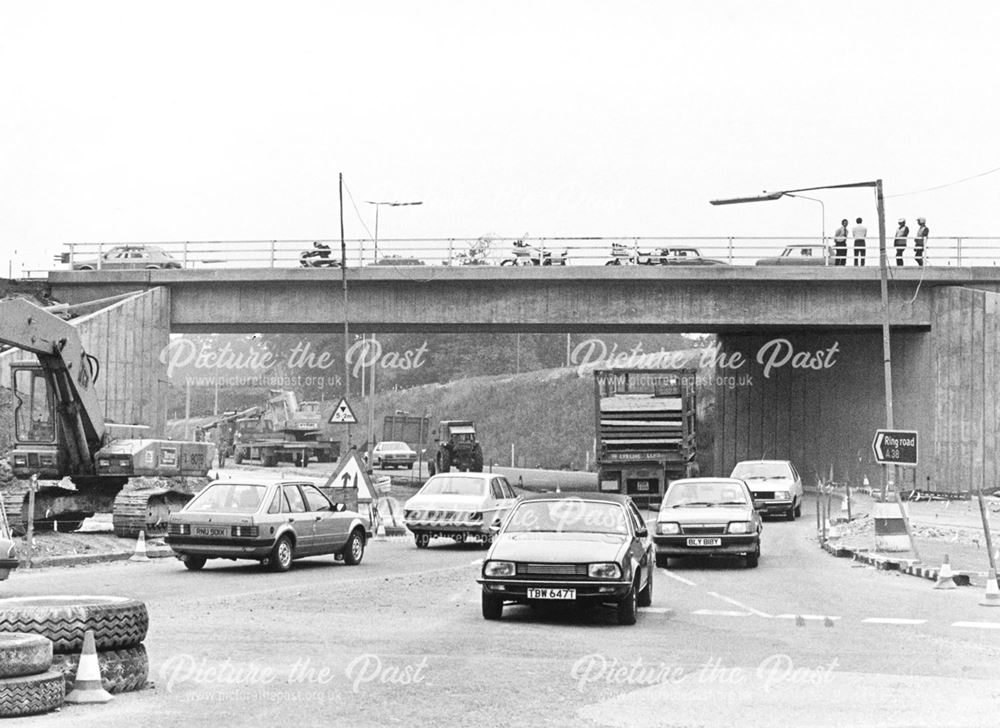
(343, 414)
(895, 447)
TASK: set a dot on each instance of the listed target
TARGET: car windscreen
(567, 516)
(228, 498)
(751, 470)
(395, 446)
(704, 494)
(454, 486)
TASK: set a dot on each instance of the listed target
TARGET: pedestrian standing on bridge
(840, 244)
(859, 232)
(920, 239)
(902, 233)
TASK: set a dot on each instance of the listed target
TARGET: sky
(163, 121)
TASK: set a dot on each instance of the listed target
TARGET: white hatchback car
(459, 506)
(775, 484)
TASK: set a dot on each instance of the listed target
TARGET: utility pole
(343, 280)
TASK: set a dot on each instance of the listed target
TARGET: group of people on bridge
(860, 234)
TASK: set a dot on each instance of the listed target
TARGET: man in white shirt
(860, 232)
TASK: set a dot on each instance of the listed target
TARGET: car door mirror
(758, 504)
(339, 507)
(642, 533)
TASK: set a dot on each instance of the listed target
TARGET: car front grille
(703, 529)
(551, 569)
(764, 494)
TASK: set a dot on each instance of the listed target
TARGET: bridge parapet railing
(580, 251)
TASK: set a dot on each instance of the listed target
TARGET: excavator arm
(69, 371)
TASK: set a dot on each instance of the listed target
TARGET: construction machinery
(300, 422)
(645, 430)
(403, 427)
(458, 447)
(60, 432)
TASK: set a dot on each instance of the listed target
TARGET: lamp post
(389, 204)
(822, 213)
(371, 378)
(884, 289)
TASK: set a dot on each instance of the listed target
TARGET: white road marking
(681, 579)
(741, 606)
(814, 617)
(475, 562)
(720, 613)
(892, 620)
(978, 625)
(656, 610)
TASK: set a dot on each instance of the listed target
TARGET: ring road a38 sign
(895, 447)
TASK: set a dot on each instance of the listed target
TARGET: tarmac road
(400, 640)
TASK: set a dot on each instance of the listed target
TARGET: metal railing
(596, 251)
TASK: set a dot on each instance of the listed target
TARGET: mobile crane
(60, 432)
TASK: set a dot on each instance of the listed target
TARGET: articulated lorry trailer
(645, 430)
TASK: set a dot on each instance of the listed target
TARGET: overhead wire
(947, 184)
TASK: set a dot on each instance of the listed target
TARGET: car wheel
(459, 537)
(790, 514)
(85, 267)
(282, 554)
(194, 563)
(354, 550)
(423, 540)
(798, 509)
(645, 597)
(754, 558)
(628, 607)
(492, 606)
(662, 561)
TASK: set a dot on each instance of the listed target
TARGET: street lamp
(884, 284)
(389, 204)
(371, 378)
(822, 213)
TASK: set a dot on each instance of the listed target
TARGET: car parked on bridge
(681, 255)
(129, 257)
(399, 260)
(570, 548)
(708, 517)
(391, 454)
(775, 484)
(271, 521)
(800, 254)
(459, 506)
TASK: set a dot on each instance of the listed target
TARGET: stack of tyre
(28, 683)
(119, 625)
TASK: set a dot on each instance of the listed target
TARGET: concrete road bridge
(798, 371)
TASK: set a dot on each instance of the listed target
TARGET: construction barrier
(890, 528)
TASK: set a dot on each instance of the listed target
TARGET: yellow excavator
(60, 432)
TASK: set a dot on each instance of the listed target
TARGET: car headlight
(667, 529)
(608, 570)
(781, 494)
(739, 527)
(498, 568)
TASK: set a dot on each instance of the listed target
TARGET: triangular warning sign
(343, 414)
(351, 473)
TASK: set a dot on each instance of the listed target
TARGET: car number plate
(209, 531)
(551, 593)
(704, 542)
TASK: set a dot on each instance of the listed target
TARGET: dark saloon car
(273, 521)
(707, 517)
(584, 548)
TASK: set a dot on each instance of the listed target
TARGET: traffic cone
(992, 596)
(88, 688)
(380, 534)
(945, 578)
(140, 548)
